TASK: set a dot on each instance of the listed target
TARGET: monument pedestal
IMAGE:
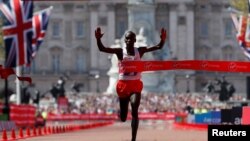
(159, 82)
(112, 83)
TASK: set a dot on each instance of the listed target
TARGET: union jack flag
(40, 24)
(241, 23)
(17, 31)
(243, 35)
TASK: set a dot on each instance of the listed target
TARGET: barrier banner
(226, 116)
(245, 115)
(203, 118)
(191, 118)
(215, 117)
(142, 116)
(22, 115)
(236, 115)
(198, 65)
(181, 118)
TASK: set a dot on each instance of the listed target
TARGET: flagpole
(18, 86)
(6, 109)
(248, 2)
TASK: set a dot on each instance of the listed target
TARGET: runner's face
(130, 39)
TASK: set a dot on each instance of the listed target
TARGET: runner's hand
(163, 34)
(98, 33)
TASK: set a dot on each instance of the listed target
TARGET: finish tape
(198, 65)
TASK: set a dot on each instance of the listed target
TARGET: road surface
(148, 131)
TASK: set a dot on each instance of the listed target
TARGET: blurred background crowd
(93, 103)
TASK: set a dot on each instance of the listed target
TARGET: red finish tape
(198, 65)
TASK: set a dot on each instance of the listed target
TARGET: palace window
(79, 29)
(204, 31)
(56, 63)
(228, 28)
(56, 27)
(80, 63)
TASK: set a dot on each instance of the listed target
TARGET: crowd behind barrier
(83, 106)
(183, 107)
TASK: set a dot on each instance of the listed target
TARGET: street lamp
(188, 88)
(97, 76)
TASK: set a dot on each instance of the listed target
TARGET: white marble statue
(143, 41)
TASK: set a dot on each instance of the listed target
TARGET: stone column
(108, 28)
(190, 31)
(111, 24)
(173, 29)
(93, 46)
(113, 71)
(190, 41)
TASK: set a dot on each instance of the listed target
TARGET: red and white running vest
(130, 75)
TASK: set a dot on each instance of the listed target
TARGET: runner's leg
(123, 108)
(135, 103)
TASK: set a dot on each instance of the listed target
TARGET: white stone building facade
(200, 30)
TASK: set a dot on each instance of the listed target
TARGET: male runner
(129, 86)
